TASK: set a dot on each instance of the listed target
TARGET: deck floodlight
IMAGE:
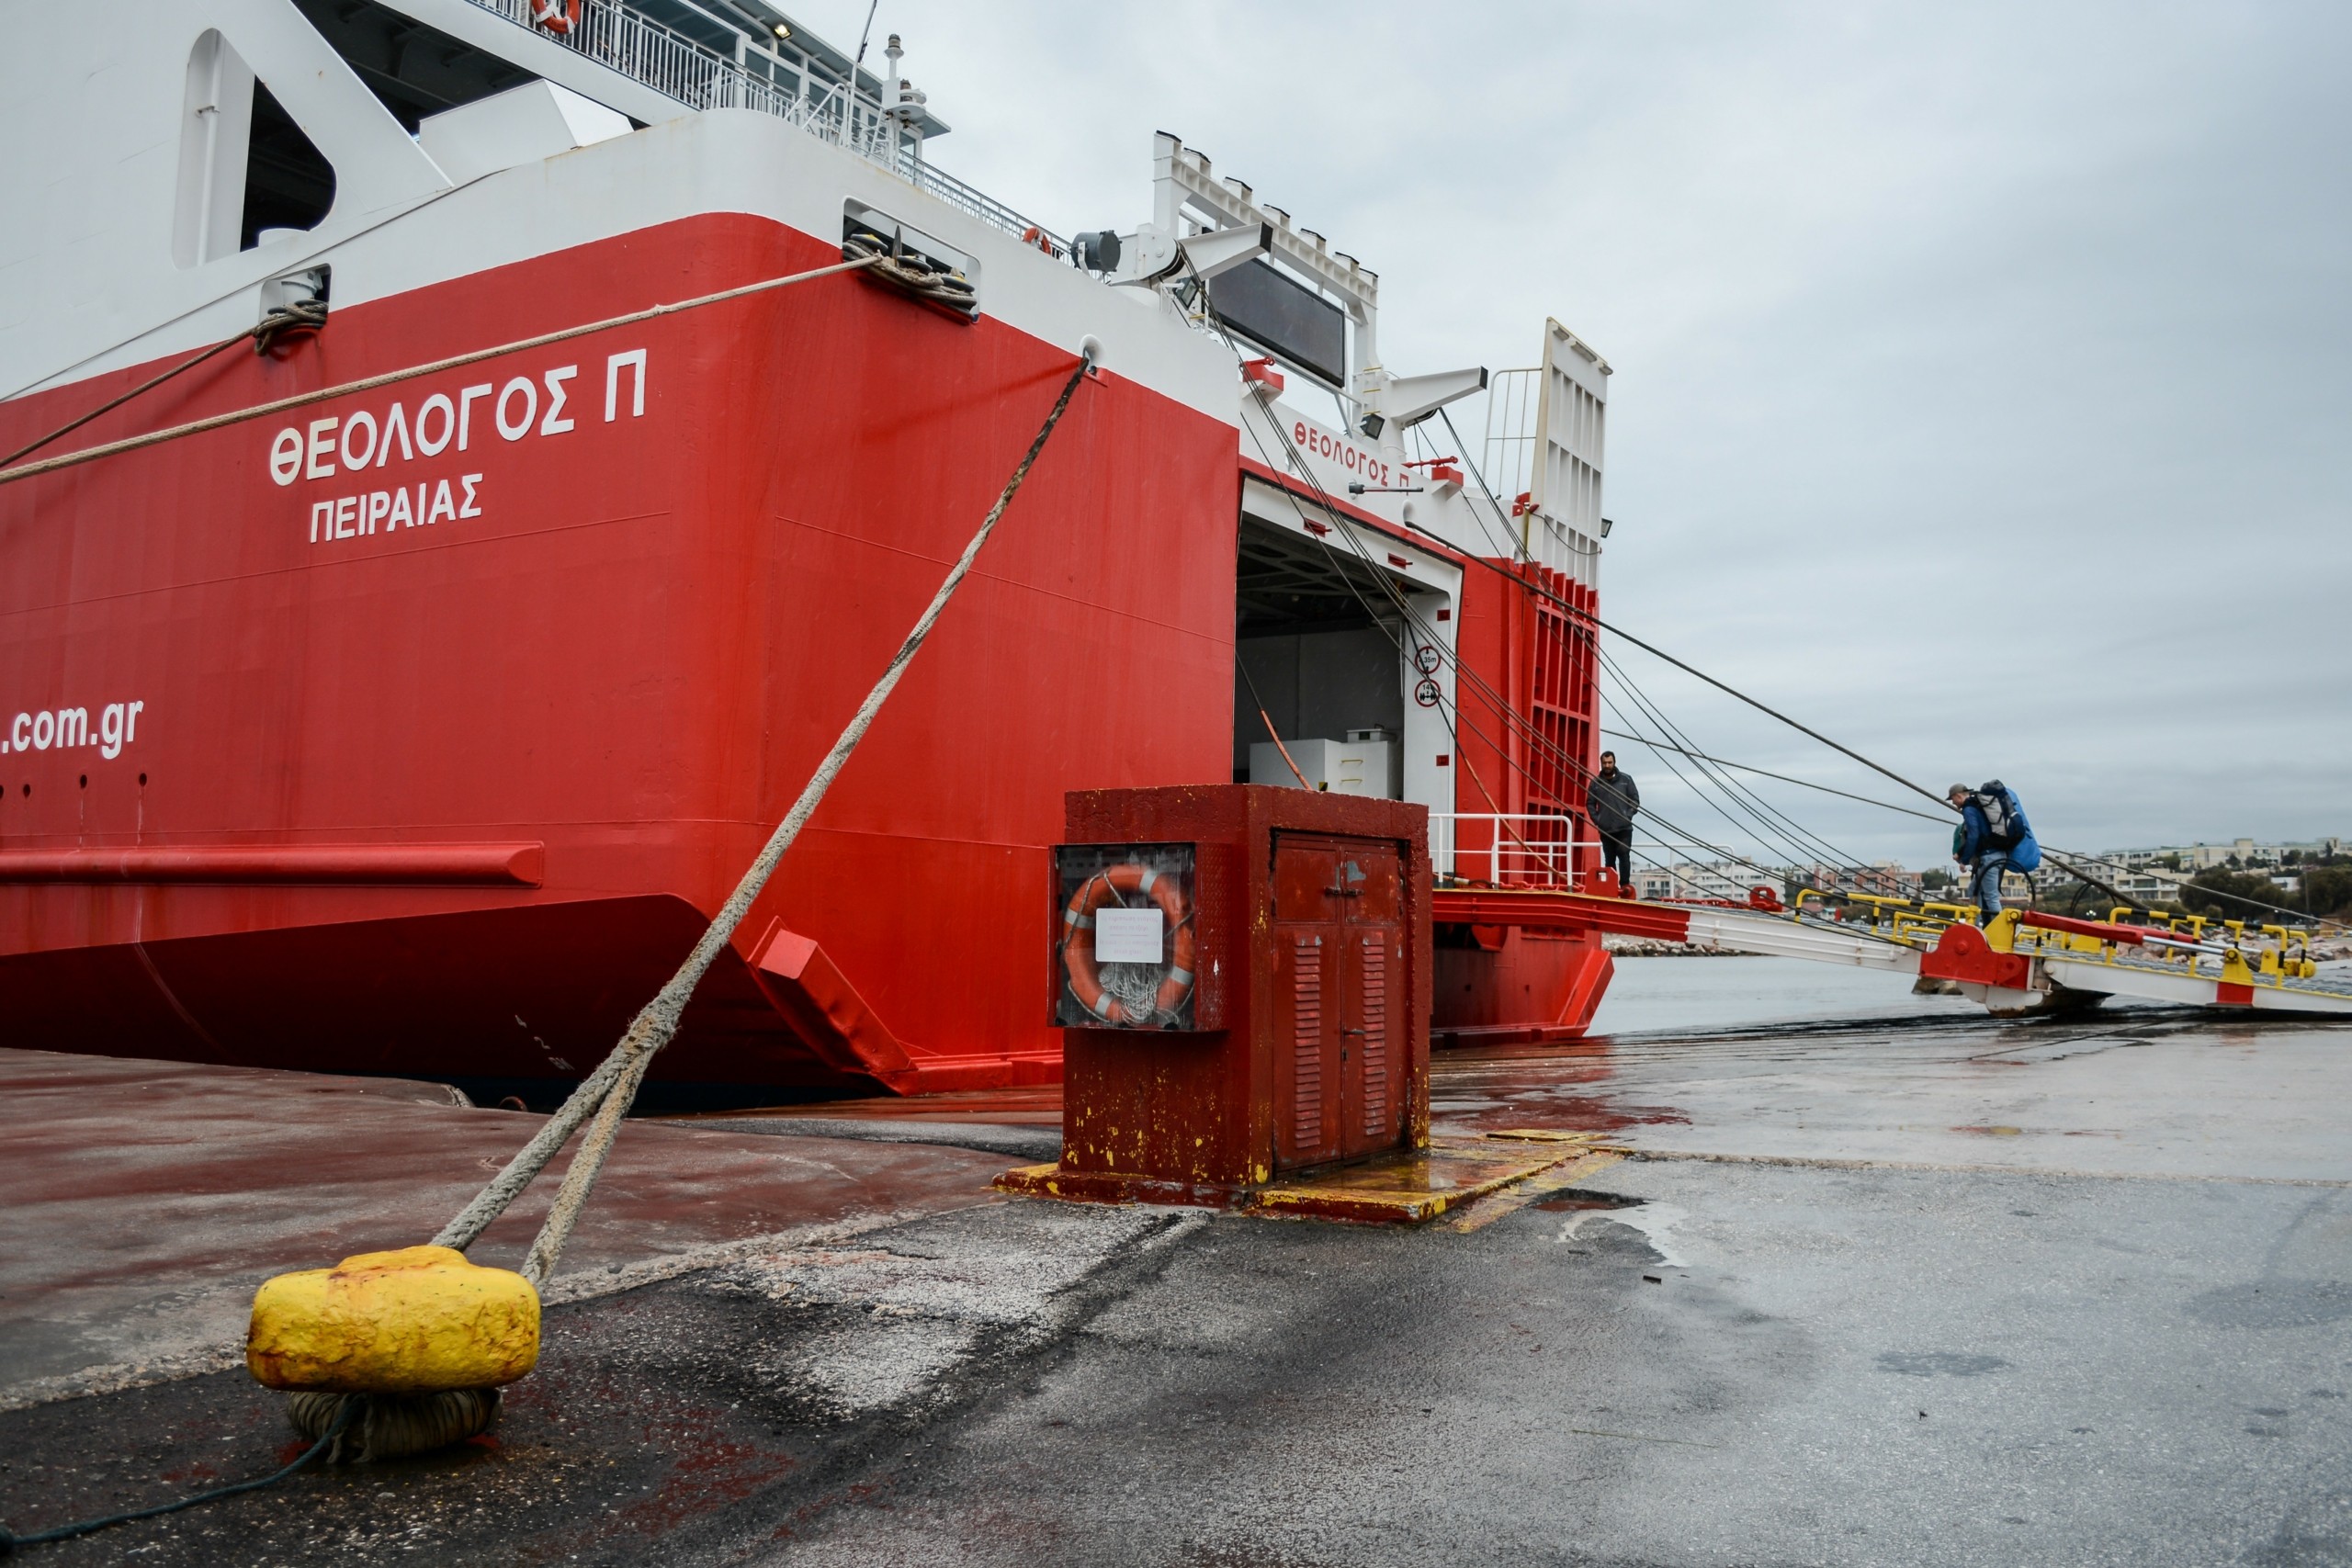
(1096, 250)
(1605, 526)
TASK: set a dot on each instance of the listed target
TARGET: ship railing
(1514, 410)
(1507, 848)
(628, 41)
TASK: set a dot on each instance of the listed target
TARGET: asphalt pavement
(1916, 1289)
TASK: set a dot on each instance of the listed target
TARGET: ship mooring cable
(1657, 745)
(368, 383)
(1272, 733)
(2101, 862)
(1456, 716)
(1422, 634)
(608, 1092)
(1578, 613)
(1812, 848)
(1650, 648)
(301, 314)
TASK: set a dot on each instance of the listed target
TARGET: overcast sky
(1984, 374)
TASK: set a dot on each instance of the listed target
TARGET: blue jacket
(1974, 832)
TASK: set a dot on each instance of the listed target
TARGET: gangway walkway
(2024, 961)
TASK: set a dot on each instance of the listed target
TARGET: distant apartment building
(2157, 886)
(2155, 875)
(1728, 881)
(1885, 879)
(2243, 855)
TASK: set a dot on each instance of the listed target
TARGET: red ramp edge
(1584, 995)
(824, 1009)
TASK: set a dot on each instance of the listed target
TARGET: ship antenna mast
(849, 89)
(863, 38)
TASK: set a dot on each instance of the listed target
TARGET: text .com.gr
(59, 729)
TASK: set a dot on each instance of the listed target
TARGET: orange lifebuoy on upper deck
(555, 16)
(1077, 944)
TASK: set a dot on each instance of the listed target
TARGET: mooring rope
(368, 383)
(302, 315)
(607, 1093)
(365, 1428)
(917, 274)
(1272, 733)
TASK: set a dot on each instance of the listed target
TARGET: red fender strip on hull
(511, 864)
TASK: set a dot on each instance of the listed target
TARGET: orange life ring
(1077, 941)
(555, 16)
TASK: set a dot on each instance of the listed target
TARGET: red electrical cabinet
(1300, 1036)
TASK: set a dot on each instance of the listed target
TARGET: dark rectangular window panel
(1290, 319)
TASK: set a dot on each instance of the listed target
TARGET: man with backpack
(1993, 838)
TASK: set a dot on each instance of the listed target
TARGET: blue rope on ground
(9, 1543)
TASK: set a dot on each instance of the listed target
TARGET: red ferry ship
(419, 729)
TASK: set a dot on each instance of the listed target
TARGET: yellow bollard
(415, 1321)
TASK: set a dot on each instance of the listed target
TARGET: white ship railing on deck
(1508, 448)
(677, 67)
(1508, 849)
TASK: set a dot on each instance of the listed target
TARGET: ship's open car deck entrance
(1307, 637)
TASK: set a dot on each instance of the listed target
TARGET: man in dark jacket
(1614, 799)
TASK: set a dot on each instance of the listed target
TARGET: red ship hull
(421, 738)
(631, 656)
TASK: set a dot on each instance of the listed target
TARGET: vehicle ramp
(2024, 961)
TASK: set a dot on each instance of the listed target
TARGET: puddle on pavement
(1656, 1222)
(1940, 1364)
(1573, 1200)
(1567, 1114)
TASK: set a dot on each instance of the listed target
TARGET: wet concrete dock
(145, 1200)
(1914, 1288)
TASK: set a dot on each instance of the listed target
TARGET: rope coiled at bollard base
(367, 1429)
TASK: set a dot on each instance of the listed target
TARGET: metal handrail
(654, 56)
(1541, 845)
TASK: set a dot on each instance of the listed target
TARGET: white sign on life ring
(1128, 936)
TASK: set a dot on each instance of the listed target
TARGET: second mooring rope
(409, 373)
(607, 1093)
